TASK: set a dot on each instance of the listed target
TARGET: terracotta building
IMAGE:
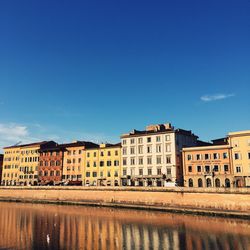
(51, 165)
(208, 166)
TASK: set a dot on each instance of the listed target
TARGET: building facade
(240, 144)
(50, 169)
(74, 162)
(103, 165)
(208, 166)
(1, 167)
(153, 157)
(11, 163)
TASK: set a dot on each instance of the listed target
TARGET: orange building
(207, 166)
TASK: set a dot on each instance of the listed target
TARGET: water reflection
(27, 226)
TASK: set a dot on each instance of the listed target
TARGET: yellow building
(11, 163)
(74, 161)
(240, 143)
(21, 163)
(103, 165)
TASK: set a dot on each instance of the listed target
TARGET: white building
(152, 157)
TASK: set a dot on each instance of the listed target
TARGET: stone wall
(224, 202)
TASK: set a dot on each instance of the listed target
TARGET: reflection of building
(103, 165)
(1, 167)
(240, 143)
(152, 156)
(207, 166)
(29, 226)
(74, 162)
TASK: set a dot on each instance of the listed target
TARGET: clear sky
(95, 69)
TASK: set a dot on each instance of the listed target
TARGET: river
(42, 226)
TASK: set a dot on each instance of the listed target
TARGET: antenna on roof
(18, 143)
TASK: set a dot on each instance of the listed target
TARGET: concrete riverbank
(219, 202)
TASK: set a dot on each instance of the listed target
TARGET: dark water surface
(37, 226)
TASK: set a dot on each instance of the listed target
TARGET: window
(225, 168)
(158, 138)
(168, 159)
(148, 139)
(140, 149)
(140, 161)
(190, 183)
(189, 157)
(167, 137)
(149, 160)
(236, 156)
(216, 168)
(158, 148)
(198, 157)
(124, 142)
(168, 171)
(132, 141)
(94, 154)
(94, 174)
(158, 171)
(109, 163)
(88, 164)
(206, 156)
(101, 174)
(225, 155)
(102, 153)
(124, 151)
(248, 155)
(116, 163)
(57, 173)
(207, 168)
(198, 168)
(238, 169)
(200, 184)
(124, 161)
(158, 160)
(101, 163)
(116, 174)
(189, 168)
(140, 140)
(88, 154)
(116, 152)
(149, 171)
(124, 171)
(109, 153)
(87, 174)
(51, 173)
(132, 161)
(216, 156)
(149, 149)
(132, 150)
(168, 147)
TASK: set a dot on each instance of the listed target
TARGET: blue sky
(95, 69)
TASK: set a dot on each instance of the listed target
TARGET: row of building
(160, 155)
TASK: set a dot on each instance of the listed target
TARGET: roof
(158, 129)
(211, 147)
(85, 144)
(239, 133)
(28, 145)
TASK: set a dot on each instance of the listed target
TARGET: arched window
(227, 183)
(209, 182)
(190, 183)
(200, 183)
(217, 182)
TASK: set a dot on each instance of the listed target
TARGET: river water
(39, 226)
